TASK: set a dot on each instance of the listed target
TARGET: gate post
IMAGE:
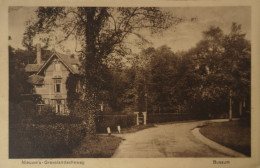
(145, 116)
(137, 117)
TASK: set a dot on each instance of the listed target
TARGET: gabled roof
(33, 67)
(67, 61)
(35, 79)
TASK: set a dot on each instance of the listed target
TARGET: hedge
(169, 117)
(53, 119)
(112, 121)
(41, 141)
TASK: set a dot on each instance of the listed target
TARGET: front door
(59, 107)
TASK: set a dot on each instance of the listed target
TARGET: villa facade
(49, 79)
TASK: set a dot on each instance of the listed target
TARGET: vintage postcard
(130, 84)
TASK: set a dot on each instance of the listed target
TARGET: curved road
(171, 140)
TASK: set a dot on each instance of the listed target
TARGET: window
(58, 109)
(57, 85)
(57, 67)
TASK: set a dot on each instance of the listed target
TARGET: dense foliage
(206, 81)
(203, 80)
(44, 141)
(197, 81)
(17, 77)
(100, 33)
(171, 117)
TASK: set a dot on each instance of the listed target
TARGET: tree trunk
(230, 105)
(240, 108)
(91, 65)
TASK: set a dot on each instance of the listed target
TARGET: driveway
(170, 140)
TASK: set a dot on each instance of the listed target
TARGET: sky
(179, 38)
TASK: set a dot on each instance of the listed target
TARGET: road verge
(215, 145)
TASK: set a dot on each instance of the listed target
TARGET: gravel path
(171, 140)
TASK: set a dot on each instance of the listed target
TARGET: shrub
(67, 119)
(19, 142)
(48, 140)
(45, 116)
(41, 141)
(16, 113)
(169, 117)
(79, 108)
(53, 119)
(48, 110)
(128, 110)
(22, 112)
(28, 108)
(107, 109)
(76, 133)
(48, 116)
(131, 120)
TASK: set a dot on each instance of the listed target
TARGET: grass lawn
(235, 135)
(99, 146)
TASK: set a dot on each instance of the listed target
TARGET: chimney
(39, 55)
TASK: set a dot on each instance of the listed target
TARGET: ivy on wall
(73, 94)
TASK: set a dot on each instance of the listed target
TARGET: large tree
(222, 63)
(100, 31)
(17, 76)
(237, 67)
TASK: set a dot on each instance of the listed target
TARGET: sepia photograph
(138, 82)
(89, 82)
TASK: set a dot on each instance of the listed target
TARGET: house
(49, 79)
